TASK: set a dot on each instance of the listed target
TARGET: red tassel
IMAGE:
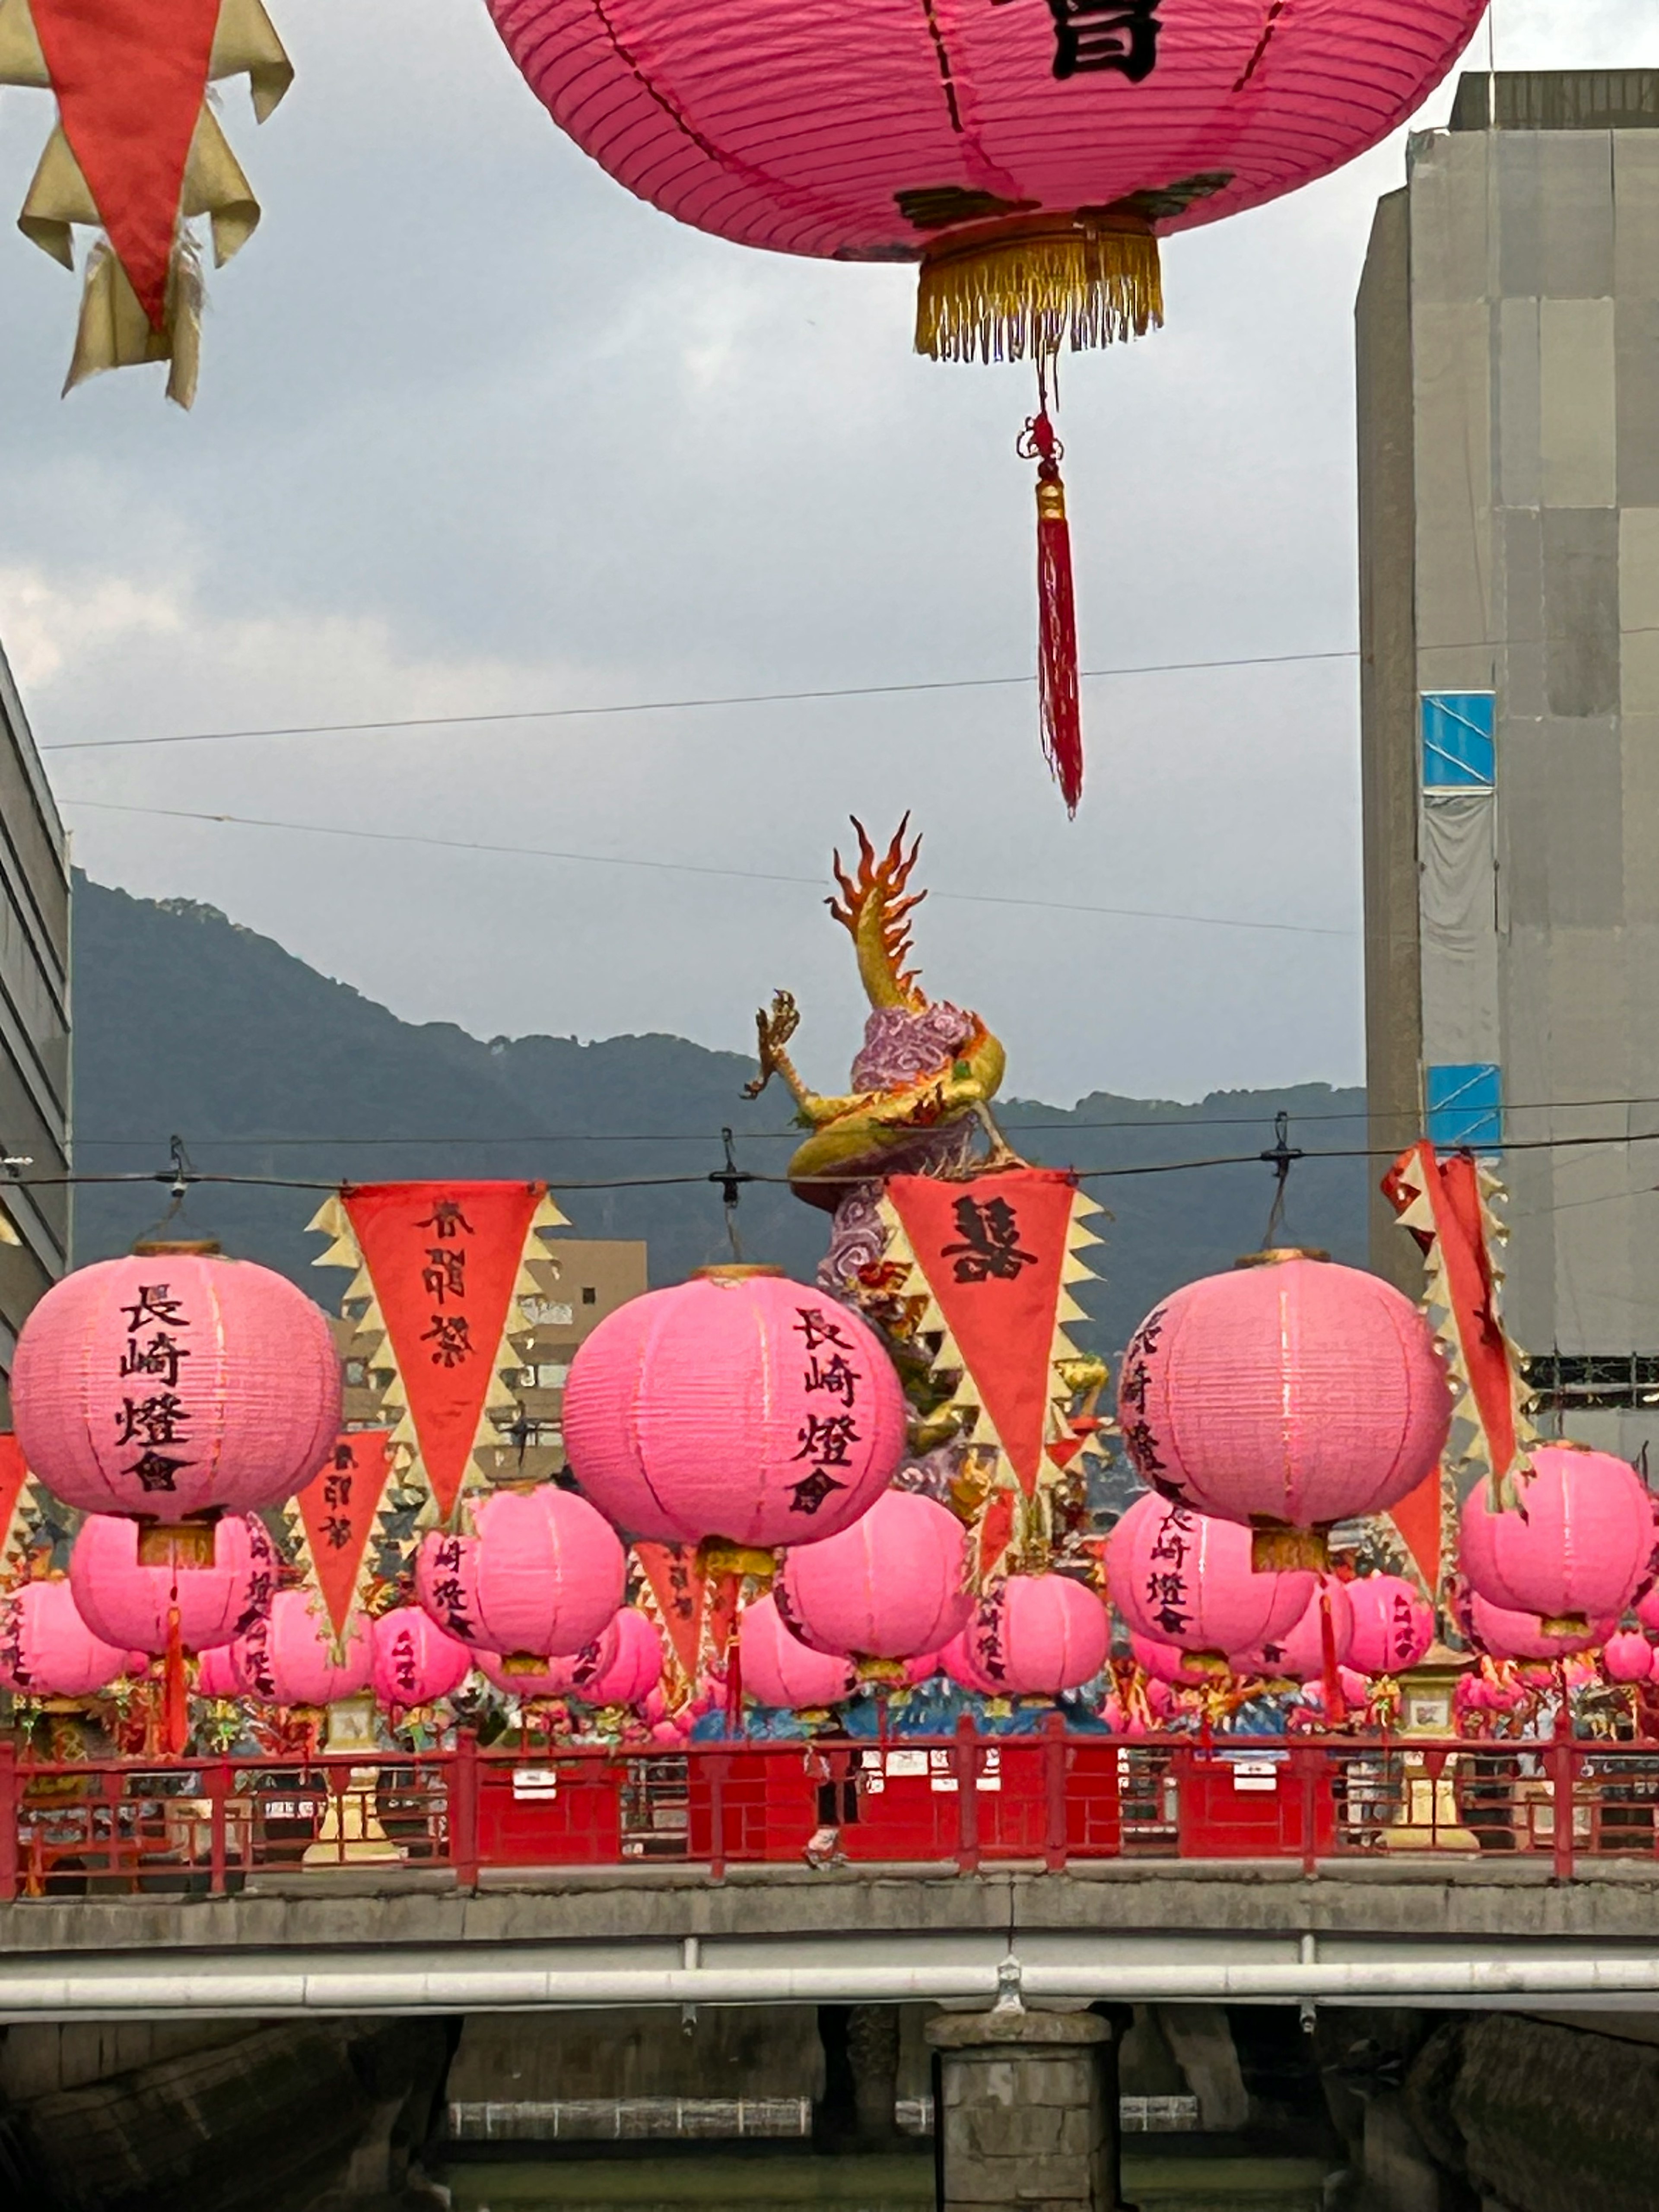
(1336, 1710)
(175, 1724)
(1057, 682)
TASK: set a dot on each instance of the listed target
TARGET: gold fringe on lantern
(1021, 291)
(1276, 1549)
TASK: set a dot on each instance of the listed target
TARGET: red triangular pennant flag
(13, 1480)
(992, 1252)
(130, 77)
(443, 1258)
(680, 1593)
(1418, 1519)
(338, 1511)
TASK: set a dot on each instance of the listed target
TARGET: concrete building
(35, 1025)
(1509, 476)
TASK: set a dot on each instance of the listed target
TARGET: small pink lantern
(888, 1587)
(637, 1668)
(1299, 1655)
(739, 1406)
(1393, 1624)
(219, 1673)
(778, 1668)
(46, 1648)
(131, 1604)
(1509, 1635)
(1036, 1635)
(1628, 1657)
(574, 1675)
(412, 1662)
(1285, 1396)
(1183, 1577)
(1167, 1663)
(1580, 1550)
(541, 1577)
(1356, 1692)
(959, 1663)
(175, 1384)
(1647, 1609)
(291, 1658)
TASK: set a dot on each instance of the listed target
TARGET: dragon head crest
(875, 911)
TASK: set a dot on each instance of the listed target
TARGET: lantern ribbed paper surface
(172, 1385)
(636, 1666)
(128, 1604)
(290, 1657)
(1299, 1655)
(740, 1405)
(1628, 1657)
(1166, 1662)
(890, 1587)
(1509, 1635)
(1584, 1547)
(779, 1669)
(541, 1577)
(1036, 1635)
(527, 1674)
(964, 1670)
(1393, 1624)
(47, 1650)
(1294, 1393)
(1182, 1577)
(412, 1661)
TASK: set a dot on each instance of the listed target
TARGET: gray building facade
(1508, 329)
(35, 1026)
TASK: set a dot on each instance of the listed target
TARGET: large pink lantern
(1628, 1657)
(1393, 1624)
(1184, 1578)
(1299, 1655)
(635, 1668)
(1286, 1395)
(540, 1578)
(1509, 1635)
(1036, 1635)
(46, 1648)
(1167, 1663)
(740, 1405)
(522, 1674)
(964, 1669)
(134, 1605)
(175, 1384)
(413, 1662)
(890, 1587)
(290, 1657)
(779, 1669)
(1580, 1548)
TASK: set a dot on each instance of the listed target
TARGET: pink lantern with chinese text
(1509, 1635)
(290, 1657)
(540, 1578)
(1183, 1577)
(779, 1669)
(890, 1587)
(175, 1384)
(1299, 1655)
(1285, 1397)
(1393, 1624)
(1580, 1549)
(635, 1668)
(739, 1407)
(574, 1674)
(1036, 1635)
(46, 1648)
(412, 1662)
(959, 1663)
(137, 1606)
(1628, 1657)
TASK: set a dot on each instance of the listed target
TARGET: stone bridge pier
(1025, 2110)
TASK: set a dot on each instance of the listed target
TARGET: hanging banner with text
(332, 1519)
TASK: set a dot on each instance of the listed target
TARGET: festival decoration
(1185, 1578)
(1506, 1634)
(890, 1587)
(779, 1669)
(219, 1673)
(635, 1668)
(1392, 1625)
(22, 1506)
(157, 1608)
(1167, 1662)
(739, 1407)
(1580, 1548)
(1301, 1654)
(1287, 1395)
(540, 1576)
(138, 154)
(1628, 1657)
(959, 1662)
(292, 1656)
(440, 1270)
(693, 1610)
(330, 1521)
(412, 1663)
(1036, 1635)
(524, 1674)
(47, 1650)
(174, 1385)
(1028, 158)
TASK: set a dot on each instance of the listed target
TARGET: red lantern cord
(1057, 678)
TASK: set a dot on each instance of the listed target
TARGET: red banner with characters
(338, 1511)
(14, 1487)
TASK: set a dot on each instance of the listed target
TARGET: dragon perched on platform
(927, 1071)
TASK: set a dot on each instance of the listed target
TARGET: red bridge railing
(211, 1825)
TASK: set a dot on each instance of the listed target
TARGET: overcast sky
(478, 432)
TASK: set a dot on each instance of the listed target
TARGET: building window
(356, 1374)
(1593, 1381)
(590, 1296)
(1459, 740)
(1463, 1107)
(546, 1374)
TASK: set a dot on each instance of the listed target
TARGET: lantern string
(1278, 1157)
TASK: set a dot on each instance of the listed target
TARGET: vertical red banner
(338, 1510)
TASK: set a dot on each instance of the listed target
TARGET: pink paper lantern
(1628, 1657)
(922, 1668)
(636, 1669)
(128, 1604)
(1286, 1395)
(959, 1663)
(1356, 1692)
(1183, 1577)
(290, 1657)
(779, 1669)
(739, 1406)
(1299, 1655)
(412, 1662)
(1647, 1609)
(172, 1384)
(219, 1673)
(888, 1587)
(541, 1577)
(46, 1648)
(1167, 1663)
(1393, 1624)
(1036, 1635)
(574, 1674)
(1583, 1549)
(1510, 1635)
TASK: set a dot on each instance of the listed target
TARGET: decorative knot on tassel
(1057, 676)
